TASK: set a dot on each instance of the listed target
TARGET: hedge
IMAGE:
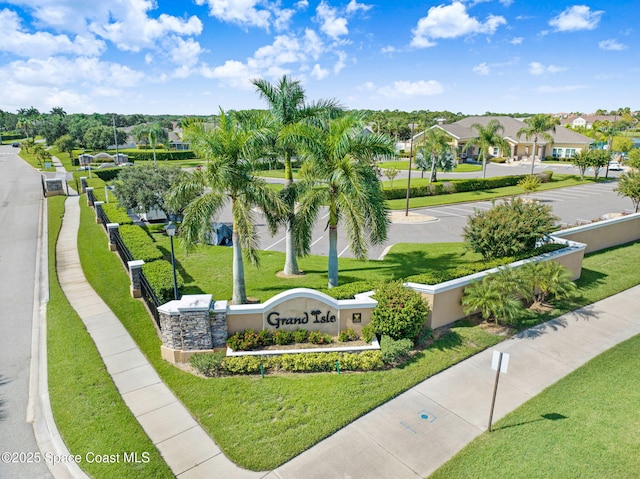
(12, 136)
(139, 243)
(116, 214)
(215, 364)
(349, 290)
(107, 174)
(461, 186)
(159, 274)
(147, 155)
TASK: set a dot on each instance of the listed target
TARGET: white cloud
(241, 12)
(16, 40)
(451, 21)
(408, 88)
(537, 68)
(355, 6)
(318, 72)
(611, 45)
(481, 69)
(577, 17)
(516, 40)
(331, 23)
(340, 63)
(559, 88)
(388, 49)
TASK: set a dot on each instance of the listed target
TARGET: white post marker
(499, 363)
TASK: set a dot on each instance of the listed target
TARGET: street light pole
(406, 210)
(171, 231)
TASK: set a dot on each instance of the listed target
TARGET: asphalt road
(20, 197)
(572, 205)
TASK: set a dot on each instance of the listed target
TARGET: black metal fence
(148, 294)
(150, 298)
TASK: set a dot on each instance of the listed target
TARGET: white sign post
(499, 363)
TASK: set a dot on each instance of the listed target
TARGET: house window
(557, 153)
(496, 151)
(569, 152)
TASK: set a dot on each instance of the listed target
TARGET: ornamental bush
(208, 364)
(509, 228)
(159, 274)
(139, 243)
(395, 351)
(116, 214)
(401, 312)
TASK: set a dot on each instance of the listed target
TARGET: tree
(41, 153)
(545, 280)
(634, 159)
(65, 143)
(337, 173)
(494, 297)
(538, 126)
(151, 134)
(100, 137)
(228, 177)
(143, 188)
(54, 127)
(582, 161)
(509, 228)
(629, 186)
(599, 159)
(529, 183)
(391, 173)
(622, 144)
(488, 137)
(436, 152)
(286, 100)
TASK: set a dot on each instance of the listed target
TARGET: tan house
(566, 142)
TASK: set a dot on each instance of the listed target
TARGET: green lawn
(558, 181)
(583, 426)
(277, 173)
(404, 165)
(89, 412)
(263, 423)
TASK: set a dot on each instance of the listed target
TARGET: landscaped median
(261, 423)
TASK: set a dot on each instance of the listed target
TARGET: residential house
(566, 141)
(587, 121)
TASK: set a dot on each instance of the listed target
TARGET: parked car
(15, 144)
(615, 166)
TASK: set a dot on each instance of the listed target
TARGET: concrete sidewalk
(184, 445)
(413, 434)
(408, 437)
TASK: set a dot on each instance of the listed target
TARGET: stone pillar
(170, 326)
(89, 190)
(219, 330)
(135, 270)
(195, 323)
(98, 207)
(112, 229)
(83, 184)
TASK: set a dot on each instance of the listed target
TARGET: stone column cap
(220, 306)
(135, 263)
(111, 226)
(98, 203)
(195, 302)
(90, 188)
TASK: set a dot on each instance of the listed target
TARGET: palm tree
(489, 136)
(337, 172)
(286, 100)
(150, 133)
(538, 126)
(434, 153)
(229, 177)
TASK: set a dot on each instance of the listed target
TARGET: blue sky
(194, 56)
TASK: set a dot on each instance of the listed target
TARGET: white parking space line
(312, 244)
(279, 241)
(343, 251)
(467, 210)
(446, 213)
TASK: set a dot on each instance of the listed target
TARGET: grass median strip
(262, 423)
(89, 412)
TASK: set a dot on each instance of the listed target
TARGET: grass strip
(261, 424)
(88, 409)
(581, 426)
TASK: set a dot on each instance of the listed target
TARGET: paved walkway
(408, 437)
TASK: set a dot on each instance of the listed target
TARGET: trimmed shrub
(401, 312)
(300, 335)
(508, 228)
(347, 335)
(107, 174)
(159, 274)
(316, 337)
(282, 337)
(208, 364)
(395, 351)
(349, 290)
(242, 364)
(368, 334)
(139, 243)
(116, 214)
(147, 155)
(265, 337)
